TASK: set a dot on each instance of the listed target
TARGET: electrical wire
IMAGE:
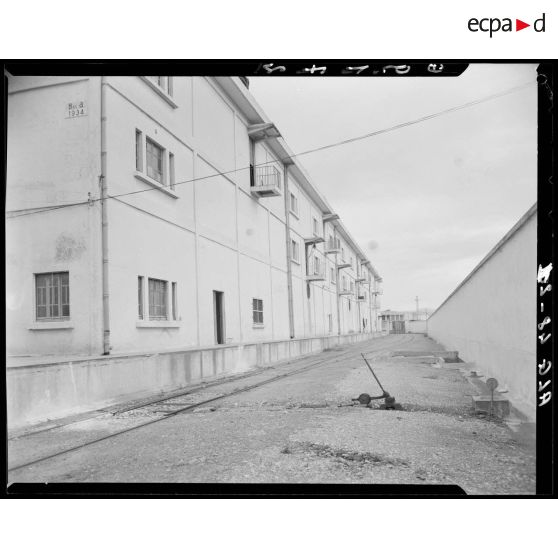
(299, 154)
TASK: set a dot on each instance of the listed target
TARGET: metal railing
(267, 177)
(333, 245)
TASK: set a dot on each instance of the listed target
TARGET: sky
(426, 202)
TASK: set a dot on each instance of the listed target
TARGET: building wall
(205, 235)
(53, 160)
(491, 317)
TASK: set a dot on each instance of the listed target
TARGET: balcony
(266, 181)
(316, 274)
(333, 246)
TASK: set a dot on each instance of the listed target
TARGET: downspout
(337, 280)
(370, 303)
(357, 293)
(288, 244)
(104, 220)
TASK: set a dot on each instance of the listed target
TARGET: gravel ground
(302, 429)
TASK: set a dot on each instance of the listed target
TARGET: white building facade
(166, 213)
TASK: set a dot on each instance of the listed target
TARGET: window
(171, 171)
(257, 311)
(140, 298)
(315, 226)
(332, 275)
(343, 254)
(52, 296)
(344, 284)
(349, 305)
(157, 299)
(164, 82)
(330, 323)
(294, 251)
(154, 160)
(139, 151)
(294, 204)
(352, 286)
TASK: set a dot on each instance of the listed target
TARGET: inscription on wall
(73, 110)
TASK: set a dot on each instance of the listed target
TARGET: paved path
(294, 430)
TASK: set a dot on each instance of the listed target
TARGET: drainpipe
(370, 302)
(337, 281)
(357, 293)
(288, 243)
(104, 219)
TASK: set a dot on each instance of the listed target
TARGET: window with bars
(154, 160)
(158, 299)
(257, 311)
(52, 296)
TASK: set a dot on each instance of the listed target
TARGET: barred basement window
(157, 300)
(52, 296)
(257, 311)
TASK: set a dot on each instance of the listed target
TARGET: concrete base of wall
(52, 390)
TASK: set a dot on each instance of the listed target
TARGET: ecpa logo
(494, 24)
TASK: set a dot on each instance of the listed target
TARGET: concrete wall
(49, 391)
(491, 317)
(415, 326)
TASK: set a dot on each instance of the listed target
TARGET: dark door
(219, 313)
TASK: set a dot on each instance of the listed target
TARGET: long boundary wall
(490, 318)
(51, 390)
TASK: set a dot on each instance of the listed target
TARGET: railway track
(346, 354)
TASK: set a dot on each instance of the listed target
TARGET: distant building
(397, 321)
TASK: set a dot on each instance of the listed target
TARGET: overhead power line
(22, 213)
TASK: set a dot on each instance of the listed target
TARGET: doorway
(219, 317)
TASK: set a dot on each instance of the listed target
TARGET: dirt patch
(346, 457)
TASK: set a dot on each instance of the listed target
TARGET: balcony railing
(316, 272)
(266, 181)
(333, 246)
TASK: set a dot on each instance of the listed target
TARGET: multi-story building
(166, 214)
